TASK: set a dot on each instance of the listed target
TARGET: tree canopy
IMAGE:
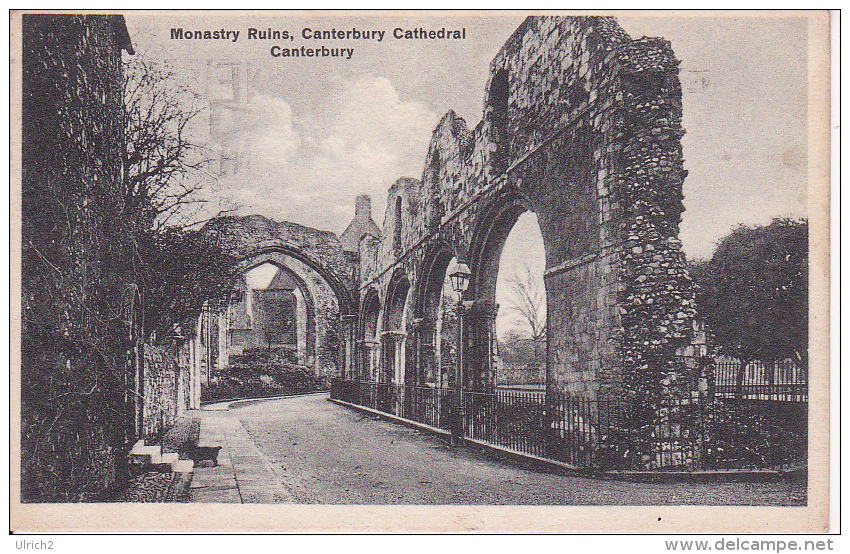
(753, 293)
(181, 270)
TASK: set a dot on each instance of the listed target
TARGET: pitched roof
(282, 281)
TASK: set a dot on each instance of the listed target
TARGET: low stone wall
(166, 390)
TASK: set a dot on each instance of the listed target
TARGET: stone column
(393, 361)
(483, 344)
(180, 393)
(191, 369)
(301, 332)
(361, 357)
(199, 359)
(349, 325)
(223, 327)
(427, 351)
(139, 385)
(372, 367)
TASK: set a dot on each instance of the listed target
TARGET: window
(499, 93)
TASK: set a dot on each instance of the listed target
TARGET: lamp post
(460, 282)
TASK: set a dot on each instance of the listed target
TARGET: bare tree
(528, 300)
(165, 171)
(178, 267)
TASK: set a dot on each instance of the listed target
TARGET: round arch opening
(276, 313)
(394, 336)
(282, 306)
(436, 320)
(507, 260)
(369, 325)
(520, 295)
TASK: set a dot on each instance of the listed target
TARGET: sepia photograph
(429, 271)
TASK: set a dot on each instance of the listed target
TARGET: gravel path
(329, 454)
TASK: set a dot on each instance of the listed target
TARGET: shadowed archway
(426, 348)
(394, 335)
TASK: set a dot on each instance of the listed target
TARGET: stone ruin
(581, 125)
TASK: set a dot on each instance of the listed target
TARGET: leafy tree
(753, 293)
(181, 270)
(518, 349)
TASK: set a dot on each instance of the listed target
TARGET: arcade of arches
(581, 125)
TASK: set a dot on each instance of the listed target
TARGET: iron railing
(427, 405)
(685, 433)
(782, 381)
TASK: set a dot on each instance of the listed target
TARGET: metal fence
(782, 381)
(687, 433)
(427, 405)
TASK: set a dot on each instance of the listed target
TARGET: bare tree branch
(179, 267)
(528, 300)
(165, 172)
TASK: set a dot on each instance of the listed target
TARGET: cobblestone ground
(329, 454)
(150, 486)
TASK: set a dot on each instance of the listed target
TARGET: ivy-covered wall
(74, 412)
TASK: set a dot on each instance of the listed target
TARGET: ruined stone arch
(368, 329)
(582, 126)
(324, 269)
(307, 294)
(342, 293)
(394, 334)
(324, 305)
(254, 236)
(493, 226)
(426, 307)
(491, 230)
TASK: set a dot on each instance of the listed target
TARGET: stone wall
(656, 294)
(166, 390)
(582, 126)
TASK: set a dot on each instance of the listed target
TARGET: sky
(315, 133)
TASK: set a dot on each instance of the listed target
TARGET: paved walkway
(243, 474)
(309, 450)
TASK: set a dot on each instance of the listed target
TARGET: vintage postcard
(420, 271)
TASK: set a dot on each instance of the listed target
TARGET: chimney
(363, 208)
(361, 225)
